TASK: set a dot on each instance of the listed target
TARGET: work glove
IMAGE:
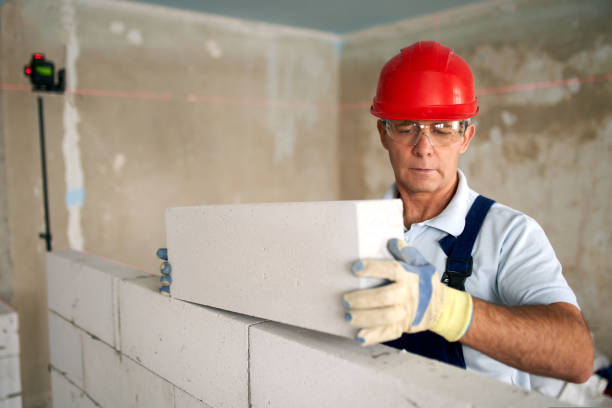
(166, 270)
(413, 300)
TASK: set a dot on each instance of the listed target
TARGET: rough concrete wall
(6, 275)
(165, 108)
(544, 147)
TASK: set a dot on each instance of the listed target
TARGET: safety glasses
(438, 133)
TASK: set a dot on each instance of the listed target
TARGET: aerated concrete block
(66, 347)
(67, 395)
(9, 331)
(12, 402)
(292, 367)
(82, 288)
(113, 380)
(202, 350)
(184, 400)
(287, 262)
(10, 380)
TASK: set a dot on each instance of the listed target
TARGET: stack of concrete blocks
(116, 342)
(10, 380)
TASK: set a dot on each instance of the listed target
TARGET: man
(504, 308)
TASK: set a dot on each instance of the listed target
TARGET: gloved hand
(166, 269)
(414, 300)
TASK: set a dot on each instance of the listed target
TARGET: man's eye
(444, 131)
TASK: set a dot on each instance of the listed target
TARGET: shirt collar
(452, 219)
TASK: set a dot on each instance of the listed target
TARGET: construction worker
(476, 283)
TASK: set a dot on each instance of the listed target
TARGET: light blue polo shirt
(513, 264)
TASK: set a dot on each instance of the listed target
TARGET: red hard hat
(425, 81)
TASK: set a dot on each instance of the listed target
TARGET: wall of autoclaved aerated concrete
(116, 342)
(10, 381)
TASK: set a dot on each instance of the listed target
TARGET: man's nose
(423, 144)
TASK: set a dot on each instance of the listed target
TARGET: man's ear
(382, 131)
(469, 133)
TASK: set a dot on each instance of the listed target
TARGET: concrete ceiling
(335, 16)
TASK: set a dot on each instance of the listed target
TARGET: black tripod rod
(43, 159)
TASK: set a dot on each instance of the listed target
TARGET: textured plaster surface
(6, 272)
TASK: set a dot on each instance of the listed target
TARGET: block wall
(155, 351)
(10, 379)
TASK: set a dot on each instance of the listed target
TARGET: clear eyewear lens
(439, 133)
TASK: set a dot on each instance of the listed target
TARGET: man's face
(421, 167)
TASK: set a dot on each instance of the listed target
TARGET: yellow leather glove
(414, 300)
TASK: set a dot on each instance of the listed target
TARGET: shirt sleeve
(529, 272)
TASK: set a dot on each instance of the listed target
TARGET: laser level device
(42, 74)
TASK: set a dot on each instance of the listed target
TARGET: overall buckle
(457, 271)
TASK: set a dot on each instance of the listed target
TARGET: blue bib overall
(458, 269)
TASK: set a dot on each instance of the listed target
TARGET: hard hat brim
(436, 112)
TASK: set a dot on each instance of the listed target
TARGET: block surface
(66, 347)
(202, 350)
(287, 262)
(67, 395)
(10, 380)
(293, 367)
(82, 288)
(184, 400)
(114, 380)
(13, 402)
(9, 331)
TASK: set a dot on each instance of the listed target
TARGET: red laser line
(121, 94)
(436, 18)
(258, 102)
(354, 105)
(295, 104)
(14, 87)
(543, 84)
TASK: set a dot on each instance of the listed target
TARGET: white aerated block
(9, 331)
(184, 400)
(202, 350)
(83, 289)
(293, 367)
(67, 395)
(66, 347)
(14, 402)
(10, 381)
(288, 262)
(10, 378)
(113, 380)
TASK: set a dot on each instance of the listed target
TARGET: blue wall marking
(75, 197)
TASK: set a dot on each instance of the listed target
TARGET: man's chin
(415, 188)
(420, 183)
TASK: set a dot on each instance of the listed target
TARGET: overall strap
(459, 250)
